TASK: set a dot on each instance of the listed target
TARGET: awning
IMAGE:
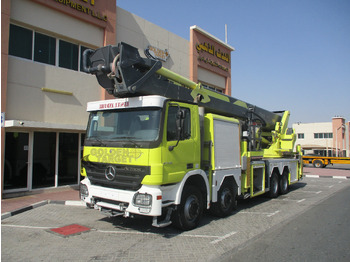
(25, 124)
(310, 146)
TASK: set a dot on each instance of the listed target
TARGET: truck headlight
(142, 200)
(84, 191)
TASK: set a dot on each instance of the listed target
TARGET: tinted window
(20, 43)
(44, 49)
(68, 57)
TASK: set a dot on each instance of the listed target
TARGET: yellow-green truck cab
(138, 154)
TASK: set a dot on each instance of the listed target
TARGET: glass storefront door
(68, 159)
(16, 160)
(38, 159)
(44, 159)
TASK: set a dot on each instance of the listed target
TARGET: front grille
(126, 178)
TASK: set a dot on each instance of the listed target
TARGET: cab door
(181, 151)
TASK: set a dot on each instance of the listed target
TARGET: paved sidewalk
(69, 193)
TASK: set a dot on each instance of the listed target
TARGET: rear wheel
(188, 214)
(283, 183)
(226, 201)
(274, 185)
(318, 163)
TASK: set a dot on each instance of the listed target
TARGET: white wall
(26, 100)
(308, 129)
(140, 33)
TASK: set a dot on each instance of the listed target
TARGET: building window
(318, 135)
(68, 55)
(328, 135)
(323, 135)
(44, 49)
(20, 42)
(301, 136)
(219, 90)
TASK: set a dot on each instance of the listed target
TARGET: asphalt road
(320, 234)
(286, 226)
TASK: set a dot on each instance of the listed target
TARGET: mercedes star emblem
(110, 173)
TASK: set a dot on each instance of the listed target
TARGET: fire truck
(168, 148)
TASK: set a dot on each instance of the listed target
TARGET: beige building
(326, 139)
(44, 91)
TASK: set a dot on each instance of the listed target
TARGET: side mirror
(180, 116)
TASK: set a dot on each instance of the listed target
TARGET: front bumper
(122, 201)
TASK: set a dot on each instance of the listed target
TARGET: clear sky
(290, 54)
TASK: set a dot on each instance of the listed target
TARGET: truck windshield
(124, 125)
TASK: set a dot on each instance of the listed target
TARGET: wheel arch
(197, 178)
(276, 170)
(220, 177)
(280, 169)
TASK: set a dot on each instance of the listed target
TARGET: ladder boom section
(124, 73)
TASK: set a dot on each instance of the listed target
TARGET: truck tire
(274, 185)
(227, 201)
(89, 206)
(189, 213)
(283, 184)
(318, 163)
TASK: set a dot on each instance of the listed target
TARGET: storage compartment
(257, 182)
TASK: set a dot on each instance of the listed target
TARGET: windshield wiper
(98, 140)
(130, 140)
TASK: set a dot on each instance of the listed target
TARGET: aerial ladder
(263, 141)
(122, 72)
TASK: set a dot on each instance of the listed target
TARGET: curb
(39, 204)
(336, 177)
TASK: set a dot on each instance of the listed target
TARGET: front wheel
(188, 214)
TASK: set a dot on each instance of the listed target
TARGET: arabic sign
(210, 53)
(207, 47)
(212, 63)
